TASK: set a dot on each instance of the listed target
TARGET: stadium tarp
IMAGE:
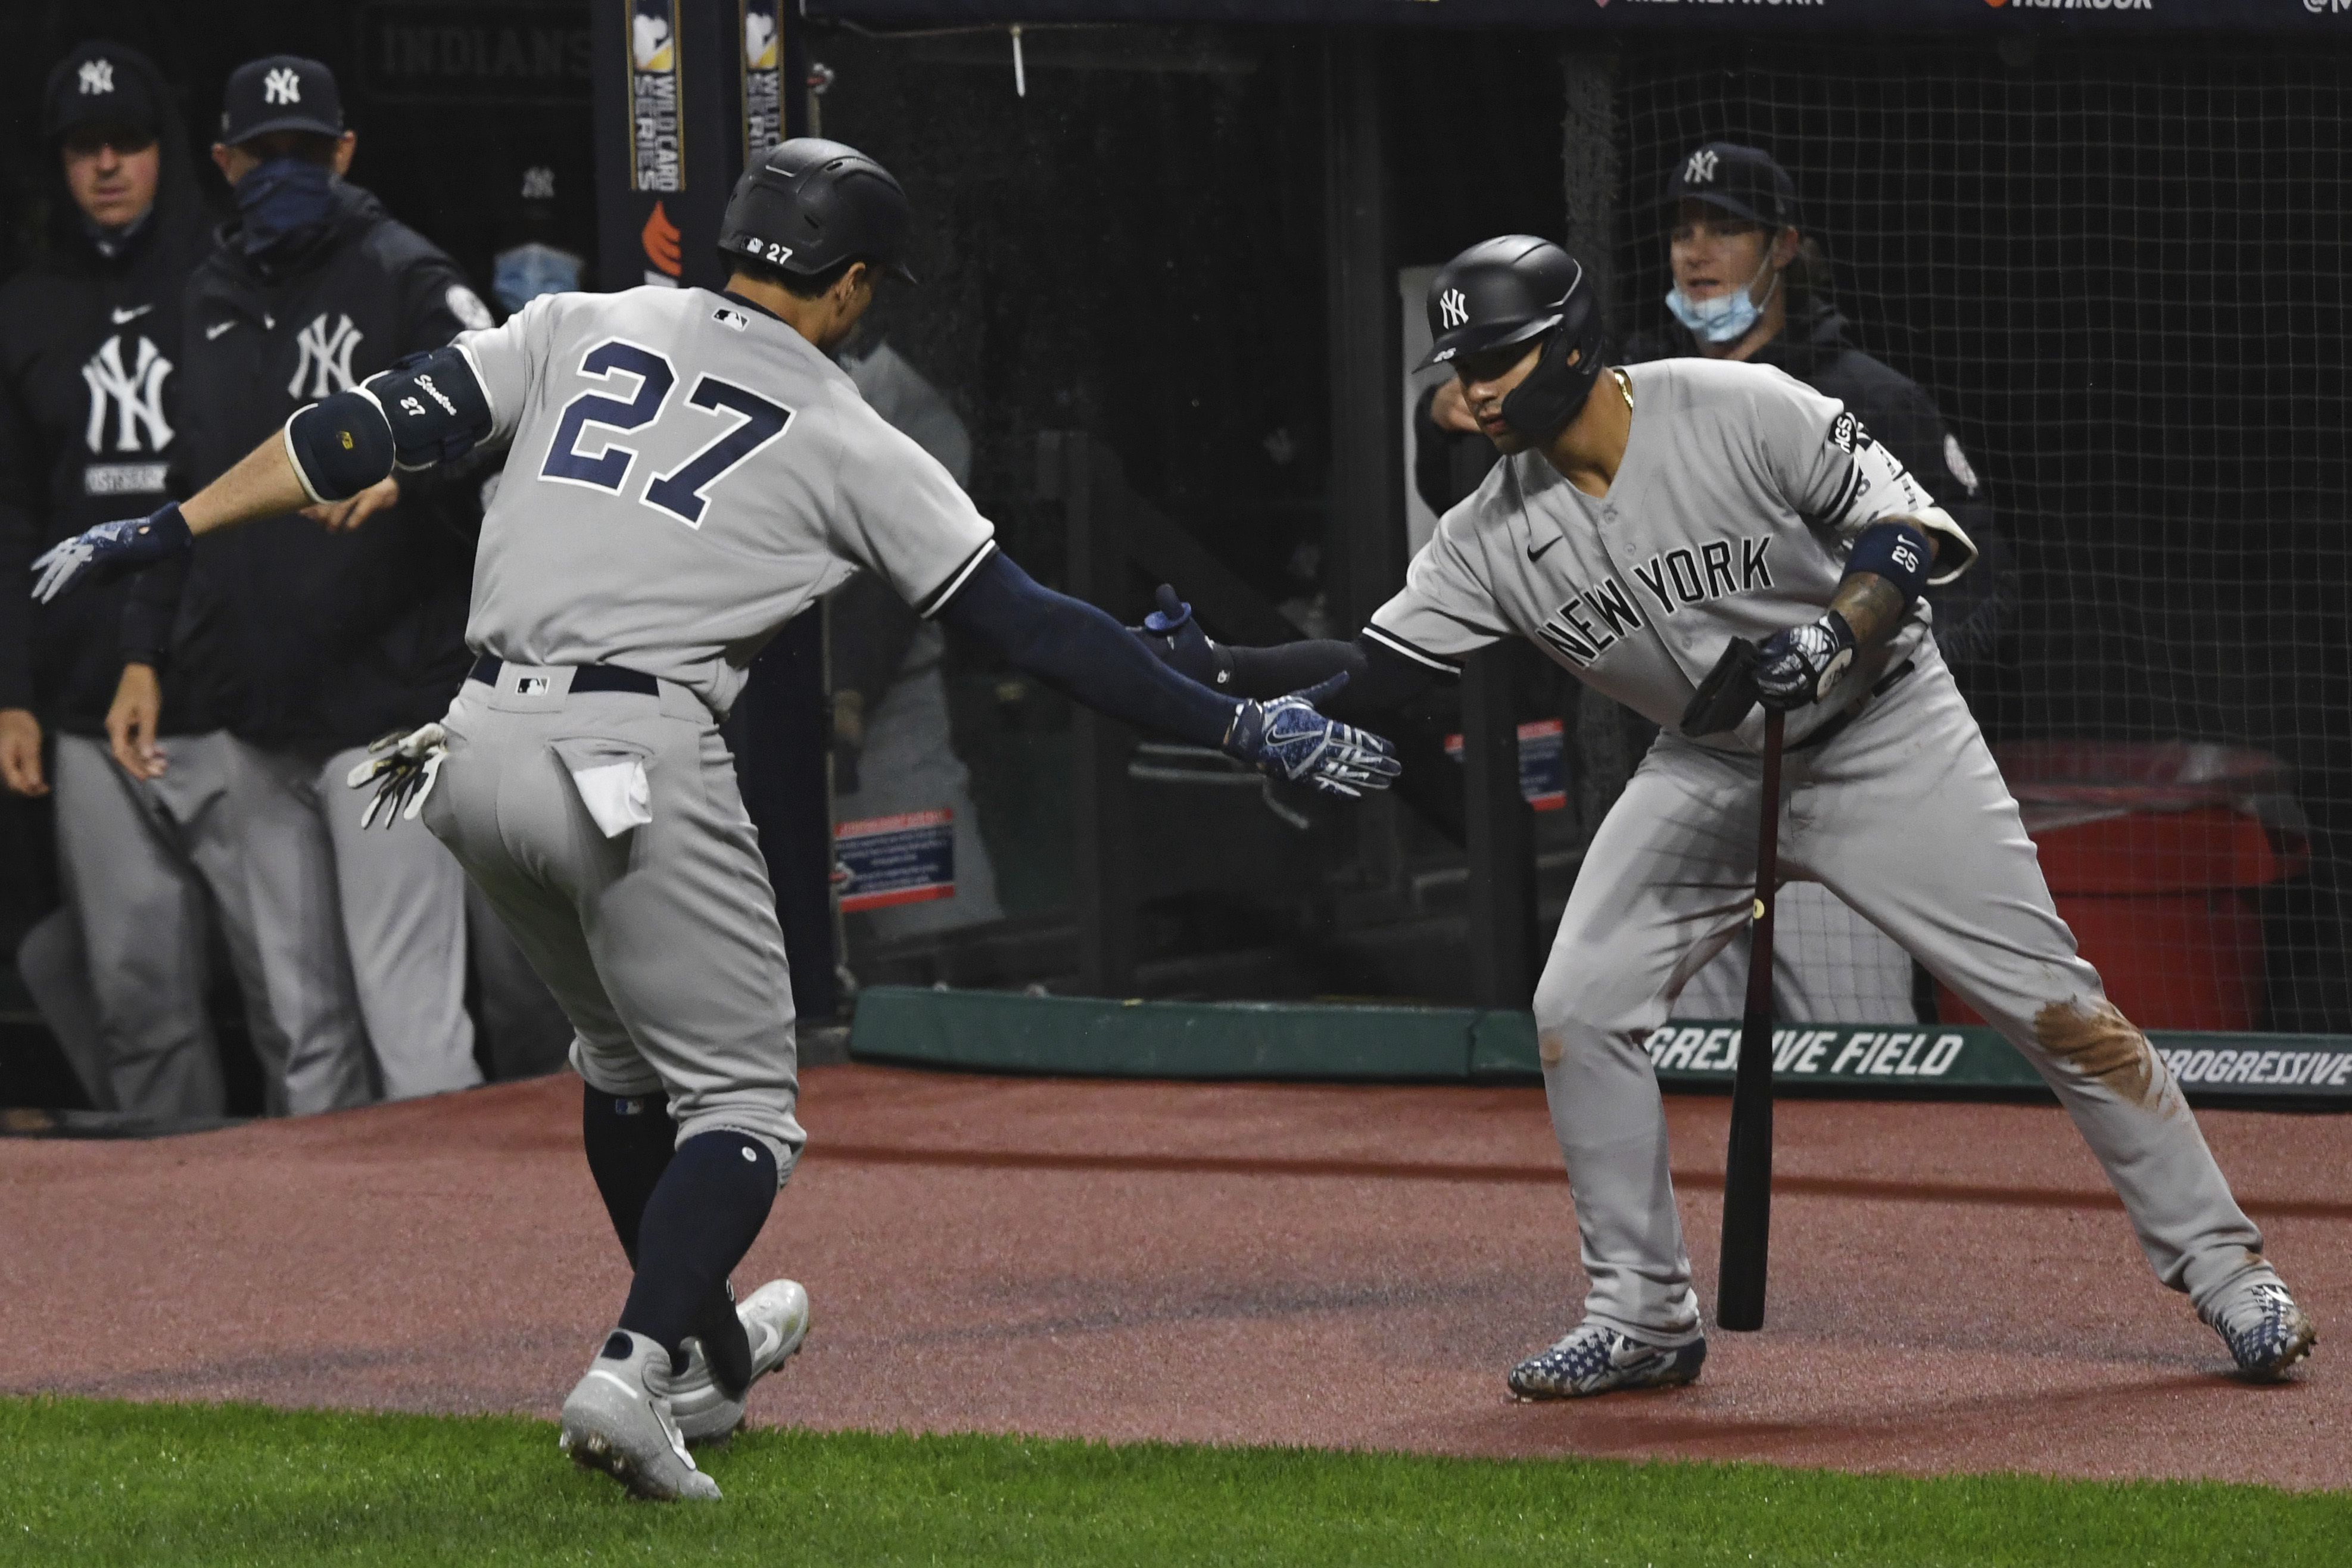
(1981, 17)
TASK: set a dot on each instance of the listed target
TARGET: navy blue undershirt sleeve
(1084, 653)
(1378, 678)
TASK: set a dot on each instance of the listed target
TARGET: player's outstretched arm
(1078, 650)
(427, 409)
(1377, 678)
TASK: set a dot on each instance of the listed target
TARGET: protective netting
(2119, 272)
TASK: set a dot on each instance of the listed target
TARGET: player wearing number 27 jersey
(688, 471)
(706, 475)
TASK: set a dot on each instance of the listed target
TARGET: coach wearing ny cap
(89, 431)
(346, 622)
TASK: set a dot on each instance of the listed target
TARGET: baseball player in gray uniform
(688, 472)
(1643, 520)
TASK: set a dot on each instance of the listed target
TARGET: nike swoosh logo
(136, 311)
(1535, 554)
(216, 328)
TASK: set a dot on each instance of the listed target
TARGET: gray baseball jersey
(686, 474)
(1741, 492)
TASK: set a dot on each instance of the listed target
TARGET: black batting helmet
(810, 205)
(1515, 289)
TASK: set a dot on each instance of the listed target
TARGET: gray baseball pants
(661, 941)
(1905, 817)
(138, 860)
(364, 935)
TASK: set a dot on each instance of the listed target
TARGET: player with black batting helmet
(1651, 524)
(690, 471)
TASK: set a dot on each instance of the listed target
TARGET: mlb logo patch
(530, 686)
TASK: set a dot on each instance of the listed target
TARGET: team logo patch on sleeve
(1958, 461)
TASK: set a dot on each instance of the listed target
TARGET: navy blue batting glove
(109, 550)
(1287, 738)
(1177, 641)
(1800, 665)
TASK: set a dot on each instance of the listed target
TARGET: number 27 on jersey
(593, 420)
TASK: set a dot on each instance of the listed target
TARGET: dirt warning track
(1953, 1288)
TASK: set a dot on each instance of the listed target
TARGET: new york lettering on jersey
(1675, 578)
(1731, 516)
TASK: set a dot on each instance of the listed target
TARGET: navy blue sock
(702, 1218)
(630, 1143)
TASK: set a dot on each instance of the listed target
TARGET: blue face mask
(1726, 318)
(521, 275)
(285, 203)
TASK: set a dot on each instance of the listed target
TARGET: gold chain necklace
(1624, 384)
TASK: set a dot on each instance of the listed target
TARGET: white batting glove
(403, 766)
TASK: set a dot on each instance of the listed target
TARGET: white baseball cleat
(2265, 1330)
(618, 1421)
(776, 1319)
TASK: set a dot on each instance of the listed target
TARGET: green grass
(87, 1483)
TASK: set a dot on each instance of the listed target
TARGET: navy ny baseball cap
(102, 83)
(1745, 181)
(281, 92)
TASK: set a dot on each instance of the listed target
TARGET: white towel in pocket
(610, 778)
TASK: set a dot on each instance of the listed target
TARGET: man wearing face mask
(345, 622)
(1749, 284)
(89, 431)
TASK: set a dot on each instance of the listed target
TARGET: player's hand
(1450, 410)
(109, 551)
(1177, 641)
(20, 752)
(130, 722)
(1800, 665)
(342, 516)
(1288, 739)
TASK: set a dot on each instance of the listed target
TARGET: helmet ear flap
(1539, 407)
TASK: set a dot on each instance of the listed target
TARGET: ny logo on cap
(1453, 308)
(281, 86)
(97, 77)
(1700, 170)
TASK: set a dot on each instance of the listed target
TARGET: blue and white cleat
(1596, 1359)
(2265, 1330)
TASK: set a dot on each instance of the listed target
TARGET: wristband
(1895, 550)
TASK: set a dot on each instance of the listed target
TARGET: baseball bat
(1747, 1164)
